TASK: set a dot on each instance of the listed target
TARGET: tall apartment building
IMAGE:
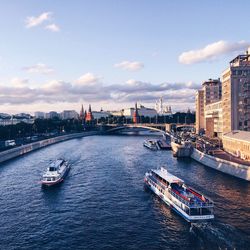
(199, 103)
(212, 91)
(236, 94)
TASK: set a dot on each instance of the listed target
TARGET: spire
(89, 108)
(82, 112)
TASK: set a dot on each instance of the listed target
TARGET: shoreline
(232, 168)
(24, 149)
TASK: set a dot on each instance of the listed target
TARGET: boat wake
(216, 235)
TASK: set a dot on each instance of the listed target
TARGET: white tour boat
(151, 144)
(55, 172)
(190, 204)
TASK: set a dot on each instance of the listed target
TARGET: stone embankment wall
(232, 168)
(18, 151)
(180, 150)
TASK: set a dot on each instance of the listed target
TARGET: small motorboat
(151, 144)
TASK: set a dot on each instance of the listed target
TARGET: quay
(220, 161)
(24, 149)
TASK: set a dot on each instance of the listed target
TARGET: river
(102, 204)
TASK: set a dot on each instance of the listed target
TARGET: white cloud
(88, 78)
(19, 83)
(33, 21)
(129, 65)
(90, 89)
(52, 27)
(39, 68)
(212, 51)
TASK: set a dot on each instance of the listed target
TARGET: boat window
(52, 169)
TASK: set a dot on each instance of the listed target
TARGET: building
(236, 94)
(208, 114)
(117, 113)
(100, 114)
(213, 119)
(69, 114)
(39, 115)
(146, 112)
(13, 120)
(199, 103)
(237, 143)
(89, 116)
(212, 91)
(128, 112)
(51, 115)
(162, 109)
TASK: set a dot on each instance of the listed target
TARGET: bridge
(163, 128)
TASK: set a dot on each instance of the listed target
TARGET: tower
(89, 117)
(136, 115)
(81, 113)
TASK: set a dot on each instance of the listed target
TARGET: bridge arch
(136, 126)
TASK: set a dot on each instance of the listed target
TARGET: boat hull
(175, 208)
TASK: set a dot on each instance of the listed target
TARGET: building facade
(237, 143)
(212, 91)
(69, 114)
(213, 119)
(199, 103)
(236, 94)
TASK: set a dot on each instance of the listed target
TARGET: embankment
(232, 168)
(24, 149)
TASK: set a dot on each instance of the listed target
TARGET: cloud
(90, 89)
(39, 68)
(19, 83)
(129, 65)
(52, 27)
(87, 79)
(33, 21)
(212, 51)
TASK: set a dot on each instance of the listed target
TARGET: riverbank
(24, 149)
(231, 167)
(228, 167)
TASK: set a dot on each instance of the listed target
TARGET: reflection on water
(102, 204)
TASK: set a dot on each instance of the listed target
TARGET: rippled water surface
(102, 204)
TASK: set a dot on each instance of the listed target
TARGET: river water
(102, 204)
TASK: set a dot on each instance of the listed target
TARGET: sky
(57, 55)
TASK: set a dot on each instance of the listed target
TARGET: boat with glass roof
(184, 200)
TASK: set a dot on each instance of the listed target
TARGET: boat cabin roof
(163, 173)
(56, 164)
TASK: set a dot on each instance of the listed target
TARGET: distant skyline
(57, 55)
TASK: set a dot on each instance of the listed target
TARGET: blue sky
(112, 53)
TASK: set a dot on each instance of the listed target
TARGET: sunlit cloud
(130, 65)
(18, 82)
(52, 27)
(39, 68)
(33, 21)
(212, 51)
(88, 78)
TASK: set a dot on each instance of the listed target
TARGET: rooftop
(163, 173)
(238, 135)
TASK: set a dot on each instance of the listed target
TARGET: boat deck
(187, 195)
